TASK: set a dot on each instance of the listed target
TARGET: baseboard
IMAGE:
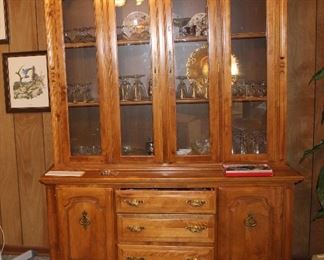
(17, 250)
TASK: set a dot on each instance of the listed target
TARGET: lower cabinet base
(216, 219)
(140, 252)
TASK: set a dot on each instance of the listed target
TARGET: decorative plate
(197, 67)
(200, 21)
(136, 25)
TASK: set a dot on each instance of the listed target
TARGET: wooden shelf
(192, 101)
(249, 99)
(249, 35)
(191, 39)
(79, 45)
(132, 42)
(136, 103)
(84, 104)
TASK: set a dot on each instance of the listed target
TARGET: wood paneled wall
(317, 227)
(305, 55)
(25, 141)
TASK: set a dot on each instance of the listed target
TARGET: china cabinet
(149, 98)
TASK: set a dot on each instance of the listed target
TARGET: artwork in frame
(4, 34)
(26, 81)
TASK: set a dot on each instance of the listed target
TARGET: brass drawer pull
(135, 229)
(195, 258)
(196, 228)
(196, 203)
(250, 221)
(134, 202)
(134, 258)
(84, 220)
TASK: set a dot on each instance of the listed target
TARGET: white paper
(65, 173)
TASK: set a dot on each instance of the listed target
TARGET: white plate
(135, 24)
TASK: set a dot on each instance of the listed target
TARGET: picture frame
(26, 81)
(4, 28)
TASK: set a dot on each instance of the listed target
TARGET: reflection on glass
(190, 30)
(81, 70)
(192, 129)
(78, 21)
(137, 134)
(249, 128)
(135, 86)
(84, 130)
(189, 18)
(248, 16)
(133, 20)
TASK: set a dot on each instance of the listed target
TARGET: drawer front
(130, 252)
(166, 228)
(148, 201)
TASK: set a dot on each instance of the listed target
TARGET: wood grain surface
(23, 138)
(317, 227)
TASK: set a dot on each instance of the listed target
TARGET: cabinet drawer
(148, 201)
(166, 228)
(130, 252)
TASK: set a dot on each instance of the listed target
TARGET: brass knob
(84, 220)
(134, 203)
(134, 258)
(250, 221)
(135, 229)
(196, 228)
(196, 203)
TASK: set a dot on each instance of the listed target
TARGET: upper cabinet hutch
(150, 98)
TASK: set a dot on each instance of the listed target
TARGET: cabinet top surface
(181, 176)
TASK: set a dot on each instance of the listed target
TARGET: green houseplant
(320, 182)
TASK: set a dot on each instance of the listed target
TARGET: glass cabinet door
(191, 77)
(81, 77)
(248, 77)
(134, 54)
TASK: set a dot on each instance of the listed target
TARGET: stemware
(138, 88)
(182, 91)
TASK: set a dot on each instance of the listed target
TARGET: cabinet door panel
(86, 223)
(250, 220)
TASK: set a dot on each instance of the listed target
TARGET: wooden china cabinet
(150, 98)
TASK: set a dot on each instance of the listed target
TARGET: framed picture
(26, 81)
(4, 32)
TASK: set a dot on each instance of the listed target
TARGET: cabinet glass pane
(248, 16)
(249, 95)
(84, 130)
(190, 31)
(135, 76)
(81, 77)
(78, 20)
(249, 127)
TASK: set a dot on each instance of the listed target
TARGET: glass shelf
(249, 35)
(248, 99)
(192, 101)
(191, 39)
(75, 45)
(83, 104)
(135, 103)
(132, 42)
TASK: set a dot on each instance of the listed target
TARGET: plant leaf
(320, 187)
(319, 214)
(318, 75)
(312, 150)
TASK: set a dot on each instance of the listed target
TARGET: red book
(240, 170)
